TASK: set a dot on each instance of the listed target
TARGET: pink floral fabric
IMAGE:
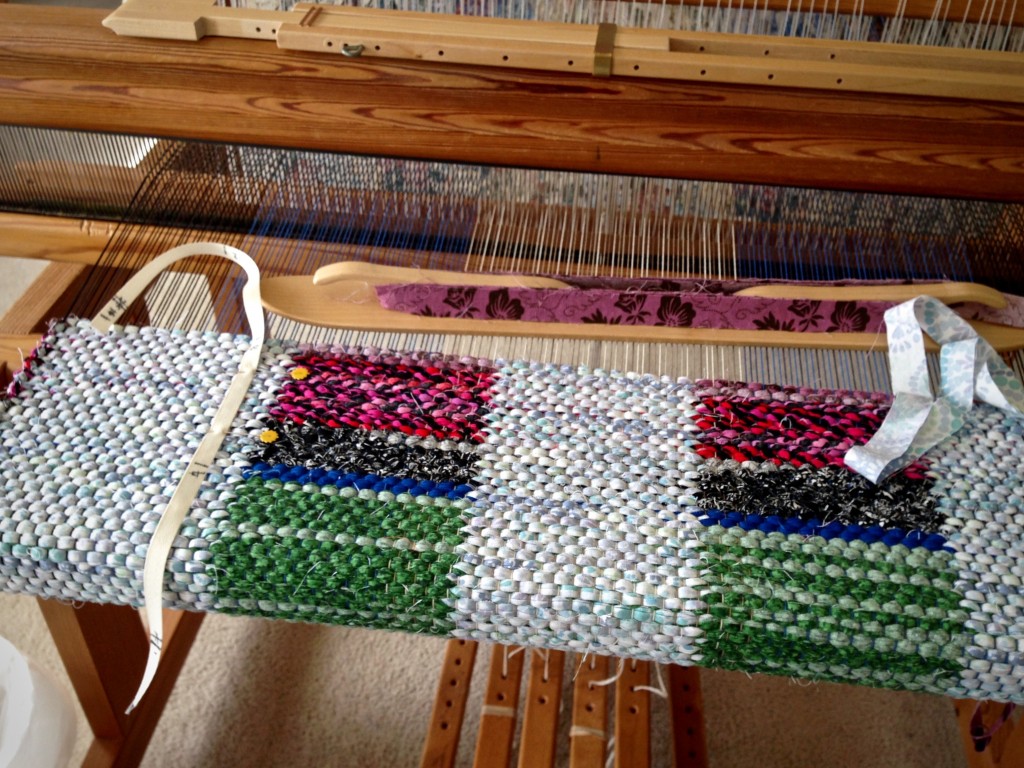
(677, 303)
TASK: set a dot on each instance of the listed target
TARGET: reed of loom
(64, 71)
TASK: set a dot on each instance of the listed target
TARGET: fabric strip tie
(970, 370)
(162, 542)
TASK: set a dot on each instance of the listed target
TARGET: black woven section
(830, 495)
(355, 450)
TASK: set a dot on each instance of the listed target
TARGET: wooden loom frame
(60, 69)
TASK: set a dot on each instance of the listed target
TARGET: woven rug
(709, 523)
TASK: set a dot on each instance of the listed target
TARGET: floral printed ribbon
(970, 370)
(692, 303)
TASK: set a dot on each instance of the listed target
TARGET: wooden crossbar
(601, 727)
(598, 49)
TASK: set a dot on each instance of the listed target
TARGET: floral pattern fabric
(669, 303)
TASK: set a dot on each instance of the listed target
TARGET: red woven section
(780, 431)
(387, 393)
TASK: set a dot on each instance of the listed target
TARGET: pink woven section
(389, 393)
(786, 425)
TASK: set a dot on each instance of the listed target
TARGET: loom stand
(103, 648)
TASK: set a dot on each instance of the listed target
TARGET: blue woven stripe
(375, 483)
(815, 527)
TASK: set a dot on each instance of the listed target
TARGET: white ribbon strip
(167, 529)
(969, 368)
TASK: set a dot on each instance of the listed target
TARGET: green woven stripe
(912, 570)
(838, 586)
(352, 577)
(360, 560)
(423, 625)
(278, 505)
(829, 611)
(941, 625)
(806, 658)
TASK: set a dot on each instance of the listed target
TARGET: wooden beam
(588, 737)
(442, 741)
(689, 746)
(103, 648)
(537, 744)
(498, 715)
(48, 296)
(54, 238)
(633, 715)
(600, 50)
(63, 69)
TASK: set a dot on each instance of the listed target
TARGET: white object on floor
(37, 719)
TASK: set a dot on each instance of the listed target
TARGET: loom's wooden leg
(633, 716)
(588, 736)
(1006, 749)
(964, 712)
(47, 297)
(689, 748)
(1013, 745)
(498, 719)
(442, 741)
(103, 648)
(543, 701)
(54, 238)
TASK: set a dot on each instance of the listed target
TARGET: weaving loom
(295, 211)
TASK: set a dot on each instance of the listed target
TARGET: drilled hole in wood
(636, 67)
(453, 682)
(703, 72)
(440, 53)
(462, 642)
(458, 662)
(504, 58)
(771, 77)
(767, 52)
(633, 709)
(273, 31)
(542, 699)
(449, 703)
(831, 55)
(376, 47)
(329, 44)
(570, 62)
(259, 29)
(589, 707)
(839, 81)
(444, 726)
(701, 48)
(501, 697)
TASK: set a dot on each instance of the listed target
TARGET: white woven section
(580, 538)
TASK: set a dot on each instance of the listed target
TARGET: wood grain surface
(61, 68)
